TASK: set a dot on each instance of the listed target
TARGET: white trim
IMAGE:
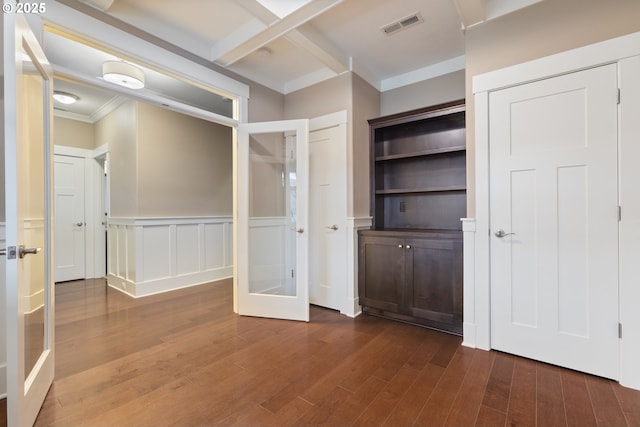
(429, 72)
(605, 52)
(469, 318)
(352, 306)
(328, 121)
(625, 51)
(629, 234)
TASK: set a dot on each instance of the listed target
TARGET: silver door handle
(334, 227)
(22, 251)
(3, 252)
(300, 230)
(500, 234)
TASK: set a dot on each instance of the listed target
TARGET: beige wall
(362, 102)
(73, 133)
(323, 98)
(438, 90)
(184, 165)
(544, 29)
(366, 105)
(265, 104)
(118, 129)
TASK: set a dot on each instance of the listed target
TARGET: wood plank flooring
(184, 359)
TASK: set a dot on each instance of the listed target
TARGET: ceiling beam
(281, 28)
(471, 11)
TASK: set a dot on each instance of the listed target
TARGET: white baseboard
(137, 290)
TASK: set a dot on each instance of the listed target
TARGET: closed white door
(327, 217)
(70, 224)
(271, 222)
(29, 311)
(554, 220)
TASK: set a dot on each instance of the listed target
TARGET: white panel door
(271, 220)
(327, 217)
(70, 225)
(28, 81)
(554, 221)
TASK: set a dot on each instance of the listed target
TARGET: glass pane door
(272, 215)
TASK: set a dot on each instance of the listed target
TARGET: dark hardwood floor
(184, 359)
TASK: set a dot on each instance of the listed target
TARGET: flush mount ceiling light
(123, 74)
(65, 97)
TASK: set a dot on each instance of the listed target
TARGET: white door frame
(95, 239)
(626, 52)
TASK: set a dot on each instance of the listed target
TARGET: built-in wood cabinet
(410, 263)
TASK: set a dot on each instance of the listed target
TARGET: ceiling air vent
(402, 24)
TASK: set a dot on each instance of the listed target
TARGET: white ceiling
(319, 40)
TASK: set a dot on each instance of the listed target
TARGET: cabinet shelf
(420, 190)
(457, 148)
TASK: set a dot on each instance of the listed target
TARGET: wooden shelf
(421, 190)
(459, 148)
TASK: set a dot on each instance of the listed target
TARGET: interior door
(327, 217)
(70, 224)
(554, 220)
(28, 207)
(272, 218)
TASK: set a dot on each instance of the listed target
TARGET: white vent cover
(402, 24)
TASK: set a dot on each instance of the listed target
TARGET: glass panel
(31, 203)
(272, 214)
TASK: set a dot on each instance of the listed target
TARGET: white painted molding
(328, 121)
(573, 60)
(352, 307)
(468, 246)
(153, 255)
(425, 73)
(629, 270)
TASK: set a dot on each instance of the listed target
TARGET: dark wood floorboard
(185, 359)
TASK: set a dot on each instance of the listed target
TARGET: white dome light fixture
(123, 74)
(65, 97)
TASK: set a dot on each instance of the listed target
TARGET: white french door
(272, 219)
(554, 220)
(28, 214)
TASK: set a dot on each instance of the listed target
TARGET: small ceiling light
(123, 74)
(65, 97)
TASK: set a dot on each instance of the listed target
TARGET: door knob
(79, 224)
(500, 234)
(334, 227)
(22, 251)
(300, 230)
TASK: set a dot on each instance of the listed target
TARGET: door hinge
(618, 96)
(619, 213)
(292, 273)
(619, 330)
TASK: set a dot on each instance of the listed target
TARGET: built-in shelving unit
(411, 262)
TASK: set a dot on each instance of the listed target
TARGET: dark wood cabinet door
(381, 268)
(433, 269)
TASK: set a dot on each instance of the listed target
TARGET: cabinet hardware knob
(408, 246)
(400, 246)
(334, 227)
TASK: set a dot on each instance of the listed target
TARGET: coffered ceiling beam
(282, 27)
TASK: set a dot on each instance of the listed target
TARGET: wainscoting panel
(153, 255)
